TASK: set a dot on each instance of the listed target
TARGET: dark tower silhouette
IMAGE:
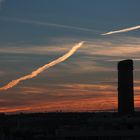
(125, 87)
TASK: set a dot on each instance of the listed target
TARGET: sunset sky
(36, 32)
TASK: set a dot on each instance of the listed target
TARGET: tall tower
(125, 87)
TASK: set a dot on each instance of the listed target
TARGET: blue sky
(35, 32)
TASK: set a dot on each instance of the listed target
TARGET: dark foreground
(69, 126)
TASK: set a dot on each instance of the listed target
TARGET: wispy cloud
(43, 68)
(113, 48)
(124, 46)
(40, 23)
(85, 65)
(34, 50)
(70, 97)
(90, 104)
(67, 97)
(117, 60)
(95, 48)
(97, 89)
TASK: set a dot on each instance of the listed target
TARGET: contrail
(122, 30)
(49, 24)
(44, 67)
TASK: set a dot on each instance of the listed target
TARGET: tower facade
(125, 87)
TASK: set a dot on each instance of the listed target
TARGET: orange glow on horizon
(92, 104)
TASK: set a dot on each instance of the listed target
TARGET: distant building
(125, 87)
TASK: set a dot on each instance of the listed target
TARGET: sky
(36, 32)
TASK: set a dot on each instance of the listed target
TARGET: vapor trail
(41, 69)
(34, 22)
(123, 30)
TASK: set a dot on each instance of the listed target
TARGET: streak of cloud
(49, 24)
(41, 69)
(87, 104)
(117, 60)
(122, 30)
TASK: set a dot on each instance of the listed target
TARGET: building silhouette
(125, 87)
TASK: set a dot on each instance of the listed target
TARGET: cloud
(95, 57)
(117, 60)
(90, 104)
(40, 23)
(43, 68)
(72, 97)
(73, 89)
(120, 46)
(35, 49)
(95, 48)
(122, 30)
(85, 65)
(66, 97)
(113, 48)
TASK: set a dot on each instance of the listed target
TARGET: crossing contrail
(122, 30)
(60, 59)
(43, 68)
